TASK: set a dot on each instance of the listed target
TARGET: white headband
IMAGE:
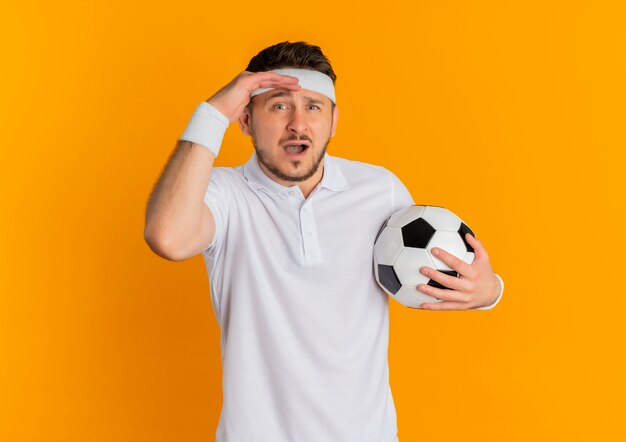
(308, 79)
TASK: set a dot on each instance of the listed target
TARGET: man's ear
(244, 122)
(334, 123)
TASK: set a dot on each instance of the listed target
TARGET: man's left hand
(476, 286)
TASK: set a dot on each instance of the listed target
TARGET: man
(287, 239)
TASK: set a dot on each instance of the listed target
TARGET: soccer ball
(403, 246)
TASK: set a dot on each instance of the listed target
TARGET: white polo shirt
(304, 325)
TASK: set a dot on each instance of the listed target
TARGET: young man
(287, 239)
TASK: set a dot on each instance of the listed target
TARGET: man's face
(290, 131)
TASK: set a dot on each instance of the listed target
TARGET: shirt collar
(333, 179)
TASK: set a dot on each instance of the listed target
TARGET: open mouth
(295, 149)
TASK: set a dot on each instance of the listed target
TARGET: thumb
(480, 254)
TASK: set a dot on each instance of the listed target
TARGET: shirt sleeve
(400, 195)
(217, 199)
(489, 307)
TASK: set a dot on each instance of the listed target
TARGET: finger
(260, 78)
(444, 306)
(461, 267)
(452, 282)
(271, 75)
(281, 77)
(291, 86)
(276, 85)
(273, 83)
(443, 294)
(480, 253)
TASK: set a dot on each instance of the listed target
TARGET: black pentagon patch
(434, 283)
(462, 231)
(381, 229)
(388, 278)
(417, 233)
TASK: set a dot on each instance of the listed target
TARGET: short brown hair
(298, 54)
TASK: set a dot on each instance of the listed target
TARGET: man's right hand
(232, 99)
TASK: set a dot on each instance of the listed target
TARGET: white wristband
(206, 127)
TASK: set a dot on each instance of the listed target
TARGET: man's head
(276, 118)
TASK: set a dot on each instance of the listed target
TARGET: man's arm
(179, 224)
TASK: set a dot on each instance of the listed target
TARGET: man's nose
(297, 121)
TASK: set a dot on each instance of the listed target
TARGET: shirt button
(306, 209)
(291, 192)
(309, 232)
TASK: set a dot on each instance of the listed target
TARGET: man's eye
(276, 106)
(315, 106)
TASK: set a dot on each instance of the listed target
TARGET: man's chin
(294, 179)
(288, 174)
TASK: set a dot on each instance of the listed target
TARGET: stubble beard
(276, 171)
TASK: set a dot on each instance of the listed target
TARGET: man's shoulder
(228, 172)
(361, 168)
(227, 179)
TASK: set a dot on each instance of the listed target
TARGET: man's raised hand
(232, 99)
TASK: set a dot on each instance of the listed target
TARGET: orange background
(511, 115)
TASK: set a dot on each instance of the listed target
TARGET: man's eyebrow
(314, 100)
(279, 94)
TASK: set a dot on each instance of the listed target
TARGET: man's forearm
(174, 210)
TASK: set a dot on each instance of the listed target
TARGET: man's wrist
(206, 127)
(490, 306)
